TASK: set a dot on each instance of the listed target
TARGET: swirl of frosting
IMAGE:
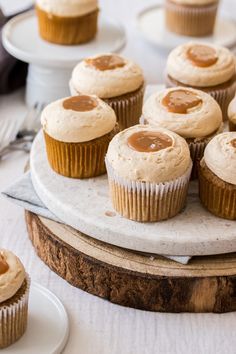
(12, 275)
(149, 154)
(220, 156)
(181, 68)
(232, 111)
(68, 8)
(78, 119)
(195, 2)
(198, 121)
(107, 76)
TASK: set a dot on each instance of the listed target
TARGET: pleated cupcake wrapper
(145, 201)
(218, 200)
(13, 319)
(78, 160)
(67, 30)
(190, 20)
(128, 109)
(222, 95)
(232, 126)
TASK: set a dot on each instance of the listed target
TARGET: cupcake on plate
(148, 171)
(77, 132)
(193, 114)
(217, 176)
(67, 22)
(232, 115)
(191, 17)
(116, 80)
(14, 294)
(205, 67)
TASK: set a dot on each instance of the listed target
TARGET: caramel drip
(147, 141)
(202, 55)
(80, 103)
(3, 265)
(106, 62)
(233, 143)
(180, 101)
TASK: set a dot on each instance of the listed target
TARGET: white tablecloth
(96, 326)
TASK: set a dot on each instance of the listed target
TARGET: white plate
(21, 39)
(11, 7)
(48, 327)
(151, 24)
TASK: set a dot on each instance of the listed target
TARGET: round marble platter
(85, 205)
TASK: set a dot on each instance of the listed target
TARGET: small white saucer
(48, 327)
(151, 24)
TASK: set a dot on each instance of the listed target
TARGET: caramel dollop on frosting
(147, 141)
(180, 101)
(81, 103)
(106, 62)
(233, 143)
(202, 55)
(4, 266)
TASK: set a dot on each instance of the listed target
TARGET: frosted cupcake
(14, 294)
(232, 115)
(148, 172)
(205, 67)
(193, 114)
(77, 132)
(217, 176)
(67, 22)
(191, 17)
(116, 80)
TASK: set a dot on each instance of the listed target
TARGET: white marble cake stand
(85, 205)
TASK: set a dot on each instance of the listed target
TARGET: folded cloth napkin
(23, 194)
(12, 71)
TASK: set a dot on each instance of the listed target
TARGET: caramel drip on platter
(202, 55)
(80, 103)
(106, 62)
(233, 143)
(180, 101)
(3, 265)
(147, 141)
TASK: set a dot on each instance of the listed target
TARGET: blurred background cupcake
(148, 171)
(14, 294)
(191, 17)
(205, 67)
(77, 132)
(193, 114)
(232, 115)
(116, 80)
(217, 176)
(67, 22)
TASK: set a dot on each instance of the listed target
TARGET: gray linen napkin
(23, 194)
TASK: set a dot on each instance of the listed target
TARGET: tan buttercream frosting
(220, 156)
(232, 111)
(181, 68)
(12, 275)
(124, 76)
(78, 119)
(194, 2)
(170, 161)
(199, 121)
(68, 8)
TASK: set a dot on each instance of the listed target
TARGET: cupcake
(116, 80)
(67, 22)
(14, 294)
(193, 114)
(232, 115)
(148, 171)
(77, 131)
(191, 17)
(205, 67)
(217, 176)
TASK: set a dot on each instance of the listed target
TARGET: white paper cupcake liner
(13, 319)
(146, 201)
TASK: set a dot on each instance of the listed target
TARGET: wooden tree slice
(127, 278)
